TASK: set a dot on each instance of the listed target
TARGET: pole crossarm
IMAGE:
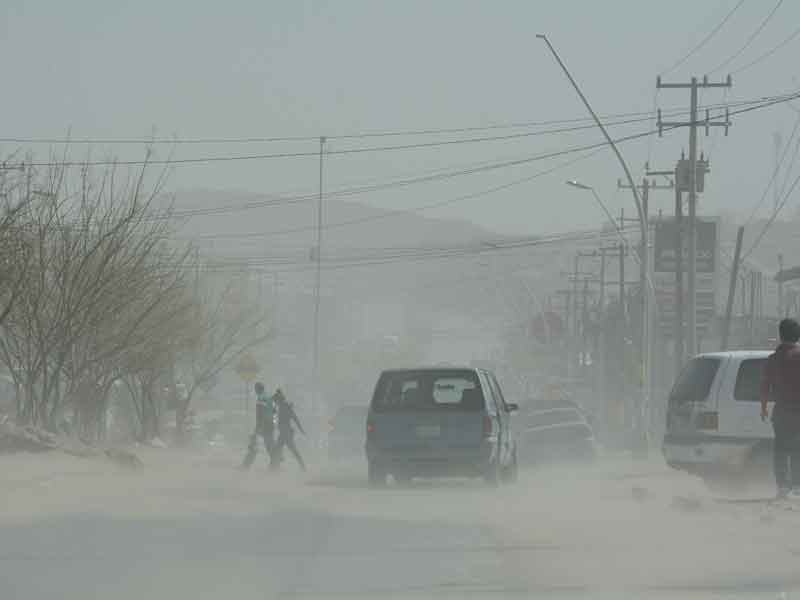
(705, 83)
(691, 184)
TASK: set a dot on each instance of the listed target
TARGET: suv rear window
(748, 380)
(445, 389)
(694, 383)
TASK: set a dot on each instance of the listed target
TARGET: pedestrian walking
(287, 418)
(265, 428)
(781, 384)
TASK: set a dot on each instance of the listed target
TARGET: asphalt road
(192, 527)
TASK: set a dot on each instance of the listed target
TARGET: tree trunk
(181, 412)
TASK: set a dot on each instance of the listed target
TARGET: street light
(643, 270)
(582, 186)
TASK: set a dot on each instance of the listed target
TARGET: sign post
(247, 368)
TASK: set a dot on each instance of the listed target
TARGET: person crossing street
(287, 417)
(265, 428)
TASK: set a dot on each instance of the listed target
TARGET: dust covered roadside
(614, 526)
(617, 525)
(645, 527)
(170, 482)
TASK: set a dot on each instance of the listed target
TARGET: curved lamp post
(583, 186)
(644, 272)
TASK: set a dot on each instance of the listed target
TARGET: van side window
(748, 380)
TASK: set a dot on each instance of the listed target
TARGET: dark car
(346, 433)
(557, 434)
(440, 422)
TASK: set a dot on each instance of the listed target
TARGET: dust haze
(191, 527)
(568, 231)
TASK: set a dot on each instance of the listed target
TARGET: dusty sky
(194, 69)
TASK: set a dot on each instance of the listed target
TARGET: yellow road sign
(247, 368)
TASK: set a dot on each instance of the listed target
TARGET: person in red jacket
(781, 384)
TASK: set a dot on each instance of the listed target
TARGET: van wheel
(402, 478)
(511, 472)
(376, 474)
(492, 474)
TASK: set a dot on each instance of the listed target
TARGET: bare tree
(227, 323)
(97, 269)
(95, 291)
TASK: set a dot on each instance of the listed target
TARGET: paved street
(196, 528)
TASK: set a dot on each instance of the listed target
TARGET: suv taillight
(488, 426)
(708, 421)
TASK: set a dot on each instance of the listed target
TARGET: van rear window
(428, 390)
(694, 383)
(748, 380)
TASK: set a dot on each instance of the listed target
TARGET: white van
(714, 427)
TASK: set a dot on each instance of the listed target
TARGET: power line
(307, 154)
(766, 102)
(345, 151)
(305, 138)
(749, 40)
(706, 39)
(396, 213)
(776, 171)
(769, 53)
(448, 253)
(630, 117)
(441, 251)
(403, 183)
(772, 218)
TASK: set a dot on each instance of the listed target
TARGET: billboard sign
(665, 264)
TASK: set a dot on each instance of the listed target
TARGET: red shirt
(781, 381)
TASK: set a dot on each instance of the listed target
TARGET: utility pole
(623, 374)
(585, 307)
(644, 189)
(780, 287)
(752, 320)
(318, 286)
(576, 270)
(777, 142)
(693, 123)
(679, 325)
(737, 255)
(567, 294)
(621, 249)
(602, 279)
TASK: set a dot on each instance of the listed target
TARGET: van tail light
(370, 428)
(488, 426)
(708, 421)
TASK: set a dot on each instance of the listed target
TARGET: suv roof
(736, 354)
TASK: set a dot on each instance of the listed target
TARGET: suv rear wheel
(376, 474)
